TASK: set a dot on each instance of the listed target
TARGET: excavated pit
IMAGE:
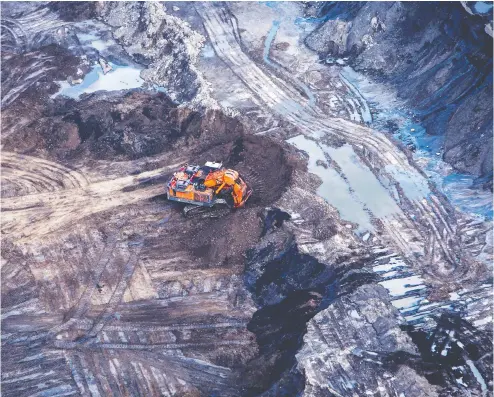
(111, 266)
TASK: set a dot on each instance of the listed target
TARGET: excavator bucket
(245, 198)
(249, 193)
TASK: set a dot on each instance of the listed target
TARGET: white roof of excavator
(212, 164)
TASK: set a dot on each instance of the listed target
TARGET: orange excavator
(211, 185)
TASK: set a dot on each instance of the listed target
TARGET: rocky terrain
(439, 58)
(361, 265)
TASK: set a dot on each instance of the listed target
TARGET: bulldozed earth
(348, 272)
(109, 290)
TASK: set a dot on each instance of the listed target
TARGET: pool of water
(483, 7)
(334, 188)
(124, 74)
(363, 183)
(121, 77)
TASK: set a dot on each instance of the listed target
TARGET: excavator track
(220, 209)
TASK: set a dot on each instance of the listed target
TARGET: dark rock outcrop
(74, 10)
(437, 55)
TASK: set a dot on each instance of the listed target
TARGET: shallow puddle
(119, 78)
(334, 189)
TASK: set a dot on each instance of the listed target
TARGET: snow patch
(478, 376)
(407, 302)
(400, 286)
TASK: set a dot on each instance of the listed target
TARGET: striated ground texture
(360, 266)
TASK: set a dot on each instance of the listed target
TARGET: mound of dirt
(120, 127)
(267, 168)
(263, 163)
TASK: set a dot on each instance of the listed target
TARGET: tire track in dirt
(156, 374)
(18, 36)
(22, 34)
(410, 235)
(84, 302)
(35, 175)
(36, 215)
(87, 325)
(117, 294)
(61, 344)
(20, 79)
(24, 29)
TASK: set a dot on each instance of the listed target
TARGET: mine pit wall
(289, 288)
(331, 322)
(438, 57)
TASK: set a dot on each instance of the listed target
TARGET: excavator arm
(231, 179)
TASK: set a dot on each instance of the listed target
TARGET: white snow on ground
(92, 34)
(94, 41)
(417, 309)
(408, 302)
(460, 381)
(393, 263)
(100, 45)
(453, 296)
(400, 286)
(483, 321)
(207, 51)
(478, 376)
